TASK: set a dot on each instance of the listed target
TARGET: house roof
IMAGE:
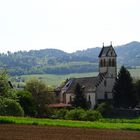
(60, 105)
(88, 83)
(105, 50)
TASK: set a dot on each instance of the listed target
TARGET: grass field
(125, 124)
(55, 80)
(51, 79)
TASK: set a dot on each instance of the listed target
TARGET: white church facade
(96, 89)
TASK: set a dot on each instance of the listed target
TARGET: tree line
(34, 99)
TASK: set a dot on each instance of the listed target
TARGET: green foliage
(6, 90)
(9, 107)
(105, 109)
(92, 115)
(4, 85)
(123, 91)
(54, 61)
(75, 114)
(27, 103)
(137, 88)
(79, 98)
(60, 114)
(42, 96)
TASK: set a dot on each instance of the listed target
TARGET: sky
(68, 25)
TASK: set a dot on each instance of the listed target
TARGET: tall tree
(79, 98)
(41, 96)
(123, 91)
(137, 88)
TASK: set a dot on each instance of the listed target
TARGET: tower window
(101, 63)
(113, 62)
(105, 83)
(89, 98)
(109, 62)
(104, 63)
(70, 99)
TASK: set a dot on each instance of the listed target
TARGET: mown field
(121, 124)
(55, 80)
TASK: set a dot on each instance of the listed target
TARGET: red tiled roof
(60, 105)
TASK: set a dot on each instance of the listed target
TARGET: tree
(137, 88)
(9, 107)
(123, 91)
(6, 90)
(41, 96)
(26, 101)
(79, 98)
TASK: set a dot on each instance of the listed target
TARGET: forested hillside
(55, 61)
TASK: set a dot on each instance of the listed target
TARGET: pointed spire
(110, 43)
(103, 44)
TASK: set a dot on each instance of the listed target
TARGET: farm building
(96, 89)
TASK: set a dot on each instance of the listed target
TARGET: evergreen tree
(123, 91)
(137, 88)
(79, 99)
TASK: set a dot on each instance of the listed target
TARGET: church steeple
(107, 60)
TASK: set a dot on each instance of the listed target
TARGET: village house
(96, 89)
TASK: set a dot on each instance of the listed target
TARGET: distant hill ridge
(55, 61)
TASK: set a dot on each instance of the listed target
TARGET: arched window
(104, 63)
(70, 99)
(89, 101)
(64, 97)
(105, 83)
(89, 98)
(101, 63)
(113, 62)
(109, 62)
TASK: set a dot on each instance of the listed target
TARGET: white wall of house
(92, 99)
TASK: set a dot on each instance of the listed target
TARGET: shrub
(26, 102)
(60, 114)
(9, 107)
(104, 108)
(75, 114)
(92, 115)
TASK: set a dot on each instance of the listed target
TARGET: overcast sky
(68, 25)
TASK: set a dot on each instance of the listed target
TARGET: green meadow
(122, 124)
(55, 80)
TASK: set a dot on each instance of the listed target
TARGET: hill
(53, 61)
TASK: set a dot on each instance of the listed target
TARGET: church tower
(107, 61)
(107, 72)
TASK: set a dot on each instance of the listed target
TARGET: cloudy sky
(68, 25)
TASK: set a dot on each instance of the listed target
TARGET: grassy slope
(125, 124)
(56, 80)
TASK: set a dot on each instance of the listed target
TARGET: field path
(32, 132)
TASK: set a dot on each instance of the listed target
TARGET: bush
(27, 103)
(9, 107)
(60, 114)
(92, 115)
(75, 114)
(105, 109)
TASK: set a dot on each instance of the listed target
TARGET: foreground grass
(125, 124)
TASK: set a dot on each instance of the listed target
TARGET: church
(96, 89)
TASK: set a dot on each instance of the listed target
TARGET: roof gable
(88, 83)
(105, 51)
